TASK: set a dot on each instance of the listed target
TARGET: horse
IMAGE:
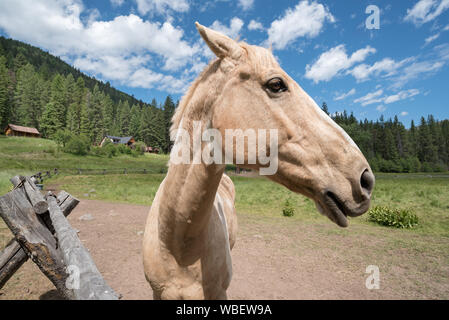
(192, 224)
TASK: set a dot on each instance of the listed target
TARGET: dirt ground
(269, 261)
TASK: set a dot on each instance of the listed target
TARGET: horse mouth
(334, 209)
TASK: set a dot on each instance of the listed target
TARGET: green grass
(42, 154)
(428, 197)
(265, 199)
(27, 156)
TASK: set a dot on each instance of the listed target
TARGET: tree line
(33, 93)
(390, 147)
(40, 90)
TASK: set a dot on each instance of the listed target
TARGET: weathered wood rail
(43, 234)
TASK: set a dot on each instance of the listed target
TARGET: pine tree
(85, 125)
(134, 125)
(4, 94)
(169, 110)
(124, 116)
(96, 116)
(108, 111)
(27, 99)
(325, 108)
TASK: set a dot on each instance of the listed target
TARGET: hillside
(42, 91)
(18, 53)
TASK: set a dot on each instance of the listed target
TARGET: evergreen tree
(27, 100)
(96, 116)
(124, 116)
(108, 111)
(169, 110)
(4, 94)
(134, 125)
(85, 125)
(325, 108)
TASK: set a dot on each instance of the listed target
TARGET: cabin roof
(22, 129)
(122, 140)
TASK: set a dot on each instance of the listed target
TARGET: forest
(40, 90)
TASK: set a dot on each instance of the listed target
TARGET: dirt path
(283, 261)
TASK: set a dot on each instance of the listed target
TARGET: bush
(288, 210)
(79, 145)
(98, 151)
(110, 150)
(398, 218)
(140, 147)
(62, 137)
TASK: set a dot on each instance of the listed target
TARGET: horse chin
(333, 213)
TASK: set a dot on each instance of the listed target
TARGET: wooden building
(13, 130)
(152, 150)
(128, 141)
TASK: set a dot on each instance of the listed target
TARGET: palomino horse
(191, 227)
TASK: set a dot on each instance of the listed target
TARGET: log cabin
(13, 130)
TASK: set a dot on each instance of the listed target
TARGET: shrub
(98, 151)
(288, 210)
(121, 148)
(110, 150)
(79, 145)
(398, 218)
(140, 147)
(62, 137)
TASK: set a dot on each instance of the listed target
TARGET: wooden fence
(43, 234)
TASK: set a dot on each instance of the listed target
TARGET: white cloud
(117, 3)
(232, 31)
(401, 96)
(426, 10)
(255, 25)
(161, 6)
(377, 97)
(386, 66)
(431, 38)
(404, 113)
(417, 70)
(345, 95)
(370, 98)
(306, 19)
(246, 4)
(381, 108)
(331, 62)
(112, 49)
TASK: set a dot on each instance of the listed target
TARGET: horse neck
(189, 190)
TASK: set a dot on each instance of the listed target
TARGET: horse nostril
(367, 182)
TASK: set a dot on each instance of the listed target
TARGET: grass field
(26, 156)
(424, 250)
(427, 196)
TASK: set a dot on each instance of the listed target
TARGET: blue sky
(150, 48)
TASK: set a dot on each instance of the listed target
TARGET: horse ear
(220, 44)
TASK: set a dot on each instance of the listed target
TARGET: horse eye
(276, 85)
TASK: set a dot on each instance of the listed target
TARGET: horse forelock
(258, 57)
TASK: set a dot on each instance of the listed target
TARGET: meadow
(427, 195)
(259, 202)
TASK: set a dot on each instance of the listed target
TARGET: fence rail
(41, 176)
